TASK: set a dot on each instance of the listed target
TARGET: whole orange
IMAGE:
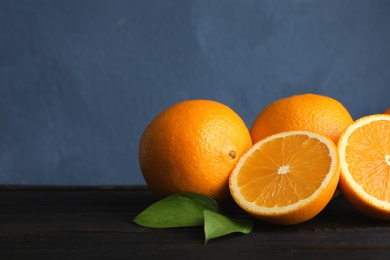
(193, 146)
(307, 112)
(387, 111)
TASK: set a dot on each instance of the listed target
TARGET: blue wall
(81, 79)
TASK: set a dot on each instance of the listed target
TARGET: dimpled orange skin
(307, 112)
(193, 146)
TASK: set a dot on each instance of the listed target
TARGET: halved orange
(286, 178)
(364, 151)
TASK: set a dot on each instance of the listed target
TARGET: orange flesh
(368, 158)
(286, 170)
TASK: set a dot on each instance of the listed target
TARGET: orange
(387, 111)
(286, 178)
(192, 146)
(308, 112)
(364, 151)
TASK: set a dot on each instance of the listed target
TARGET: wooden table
(96, 223)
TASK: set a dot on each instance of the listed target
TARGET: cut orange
(364, 151)
(286, 178)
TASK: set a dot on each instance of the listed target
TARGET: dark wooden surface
(96, 223)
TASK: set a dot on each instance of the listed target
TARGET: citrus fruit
(192, 146)
(286, 178)
(387, 111)
(307, 112)
(364, 151)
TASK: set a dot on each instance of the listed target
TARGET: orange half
(286, 178)
(364, 151)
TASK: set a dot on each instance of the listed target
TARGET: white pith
(284, 169)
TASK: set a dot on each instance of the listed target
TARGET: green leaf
(217, 225)
(178, 210)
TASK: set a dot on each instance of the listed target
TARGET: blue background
(81, 79)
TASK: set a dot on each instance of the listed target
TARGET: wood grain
(96, 223)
